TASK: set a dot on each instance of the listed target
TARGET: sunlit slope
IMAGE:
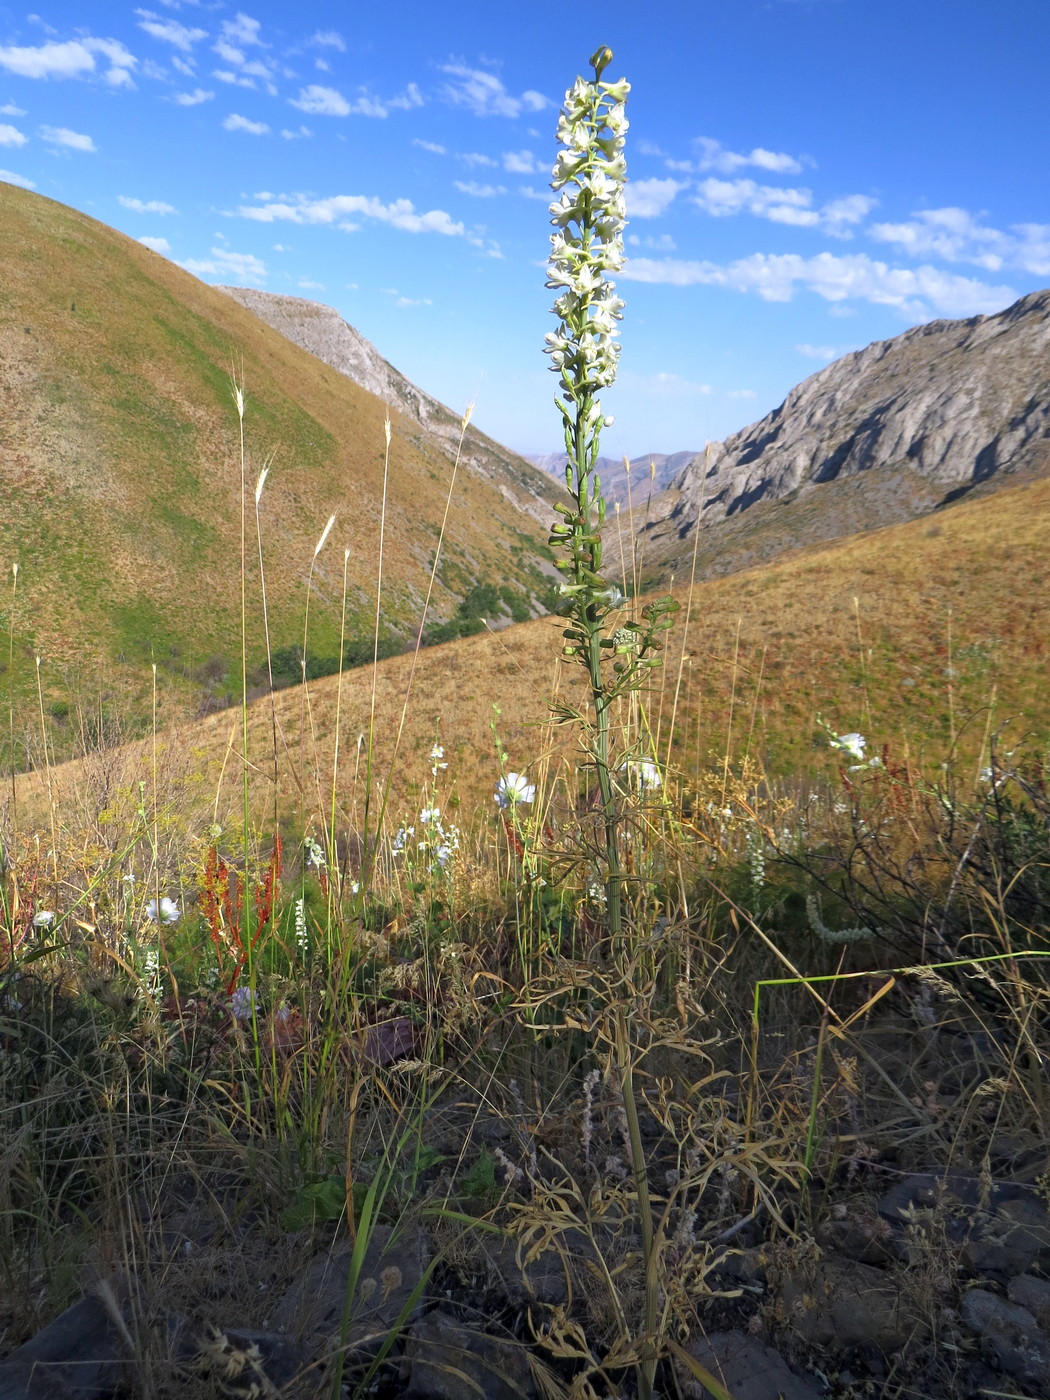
(909, 634)
(120, 469)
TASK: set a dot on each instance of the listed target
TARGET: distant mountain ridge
(320, 330)
(880, 436)
(657, 468)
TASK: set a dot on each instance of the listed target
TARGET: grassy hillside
(121, 482)
(914, 634)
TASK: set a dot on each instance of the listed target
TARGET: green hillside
(121, 479)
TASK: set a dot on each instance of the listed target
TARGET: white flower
(512, 789)
(169, 910)
(853, 745)
(44, 919)
(314, 854)
(437, 753)
(642, 773)
(430, 814)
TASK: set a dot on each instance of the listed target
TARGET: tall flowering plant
(586, 246)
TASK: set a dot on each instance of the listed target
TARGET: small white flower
(643, 774)
(44, 919)
(314, 854)
(853, 745)
(169, 911)
(512, 789)
(430, 814)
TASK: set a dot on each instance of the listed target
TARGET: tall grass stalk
(259, 485)
(11, 693)
(52, 810)
(370, 837)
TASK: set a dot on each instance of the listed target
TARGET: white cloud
(235, 79)
(242, 30)
(472, 158)
(820, 352)
(235, 122)
(11, 136)
(296, 135)
(228, 52)
(741, 394)
(714, 156)
(223, 263)
(781, 204)
(149, 206)
(646, 199)
(430, 146)
(659, 243)
(337, 209)
(158, 245)
(530, 192)
(9, 177)
(309, 286)
(484, 95)
(479, 191)
(73, 59)
(329, 102)
(400, 300)
(10, 110)
(330, 39)
(521, 163)
(192, 99)
(170, 31)
(957, 236)
(322, 101)
(181, 65)
(405, 101)
(62, 136)
(776, 277)
(664, 385)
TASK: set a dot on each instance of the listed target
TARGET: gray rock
(78, 1356)
(446, 1361)
(843, 1303)
(540, 1280)
(921, 418)
(952, 401)
(1032, 1293)
(744, 1366)
(388, 1294)
(323, 332)
(1001, 1229)
(1010, 1336)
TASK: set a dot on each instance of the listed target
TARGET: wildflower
(167, 912)
(243, 1003)
(437, 753)
(512, 789)
(314, 854)
(302, 939)
(853, 745)
(430, 815)
(642, 773)
(588, 218)
(44, 919)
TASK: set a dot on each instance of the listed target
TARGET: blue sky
(805, 176)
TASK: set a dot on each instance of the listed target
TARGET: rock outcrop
(323, 332)
(651, 471)
(884, 434)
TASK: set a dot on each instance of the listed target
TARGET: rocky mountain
(652, 470)
(323, 332)
(884, 434)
